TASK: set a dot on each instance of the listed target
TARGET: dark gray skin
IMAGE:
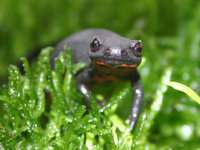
(102, 46)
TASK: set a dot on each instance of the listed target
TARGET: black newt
(110, 58)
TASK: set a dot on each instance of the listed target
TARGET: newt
(109, 58)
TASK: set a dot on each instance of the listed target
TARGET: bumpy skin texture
(111, 50)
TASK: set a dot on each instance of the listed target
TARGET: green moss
(44, 110)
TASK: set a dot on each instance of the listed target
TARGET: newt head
(115, 51)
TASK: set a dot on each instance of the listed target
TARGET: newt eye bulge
(138, 49)
(94, 45)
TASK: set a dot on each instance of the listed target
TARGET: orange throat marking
(111, 73)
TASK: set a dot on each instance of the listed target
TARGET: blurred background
(170, 33)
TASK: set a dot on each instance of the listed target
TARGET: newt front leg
(136, 107)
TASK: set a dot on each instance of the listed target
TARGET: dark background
(169, 30)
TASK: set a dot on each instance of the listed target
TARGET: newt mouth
(115, 66)
(115, 62)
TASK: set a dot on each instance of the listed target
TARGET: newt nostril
(123, 53)
(108, 51)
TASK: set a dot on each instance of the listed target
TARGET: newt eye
(94, 45)
(138, 49)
